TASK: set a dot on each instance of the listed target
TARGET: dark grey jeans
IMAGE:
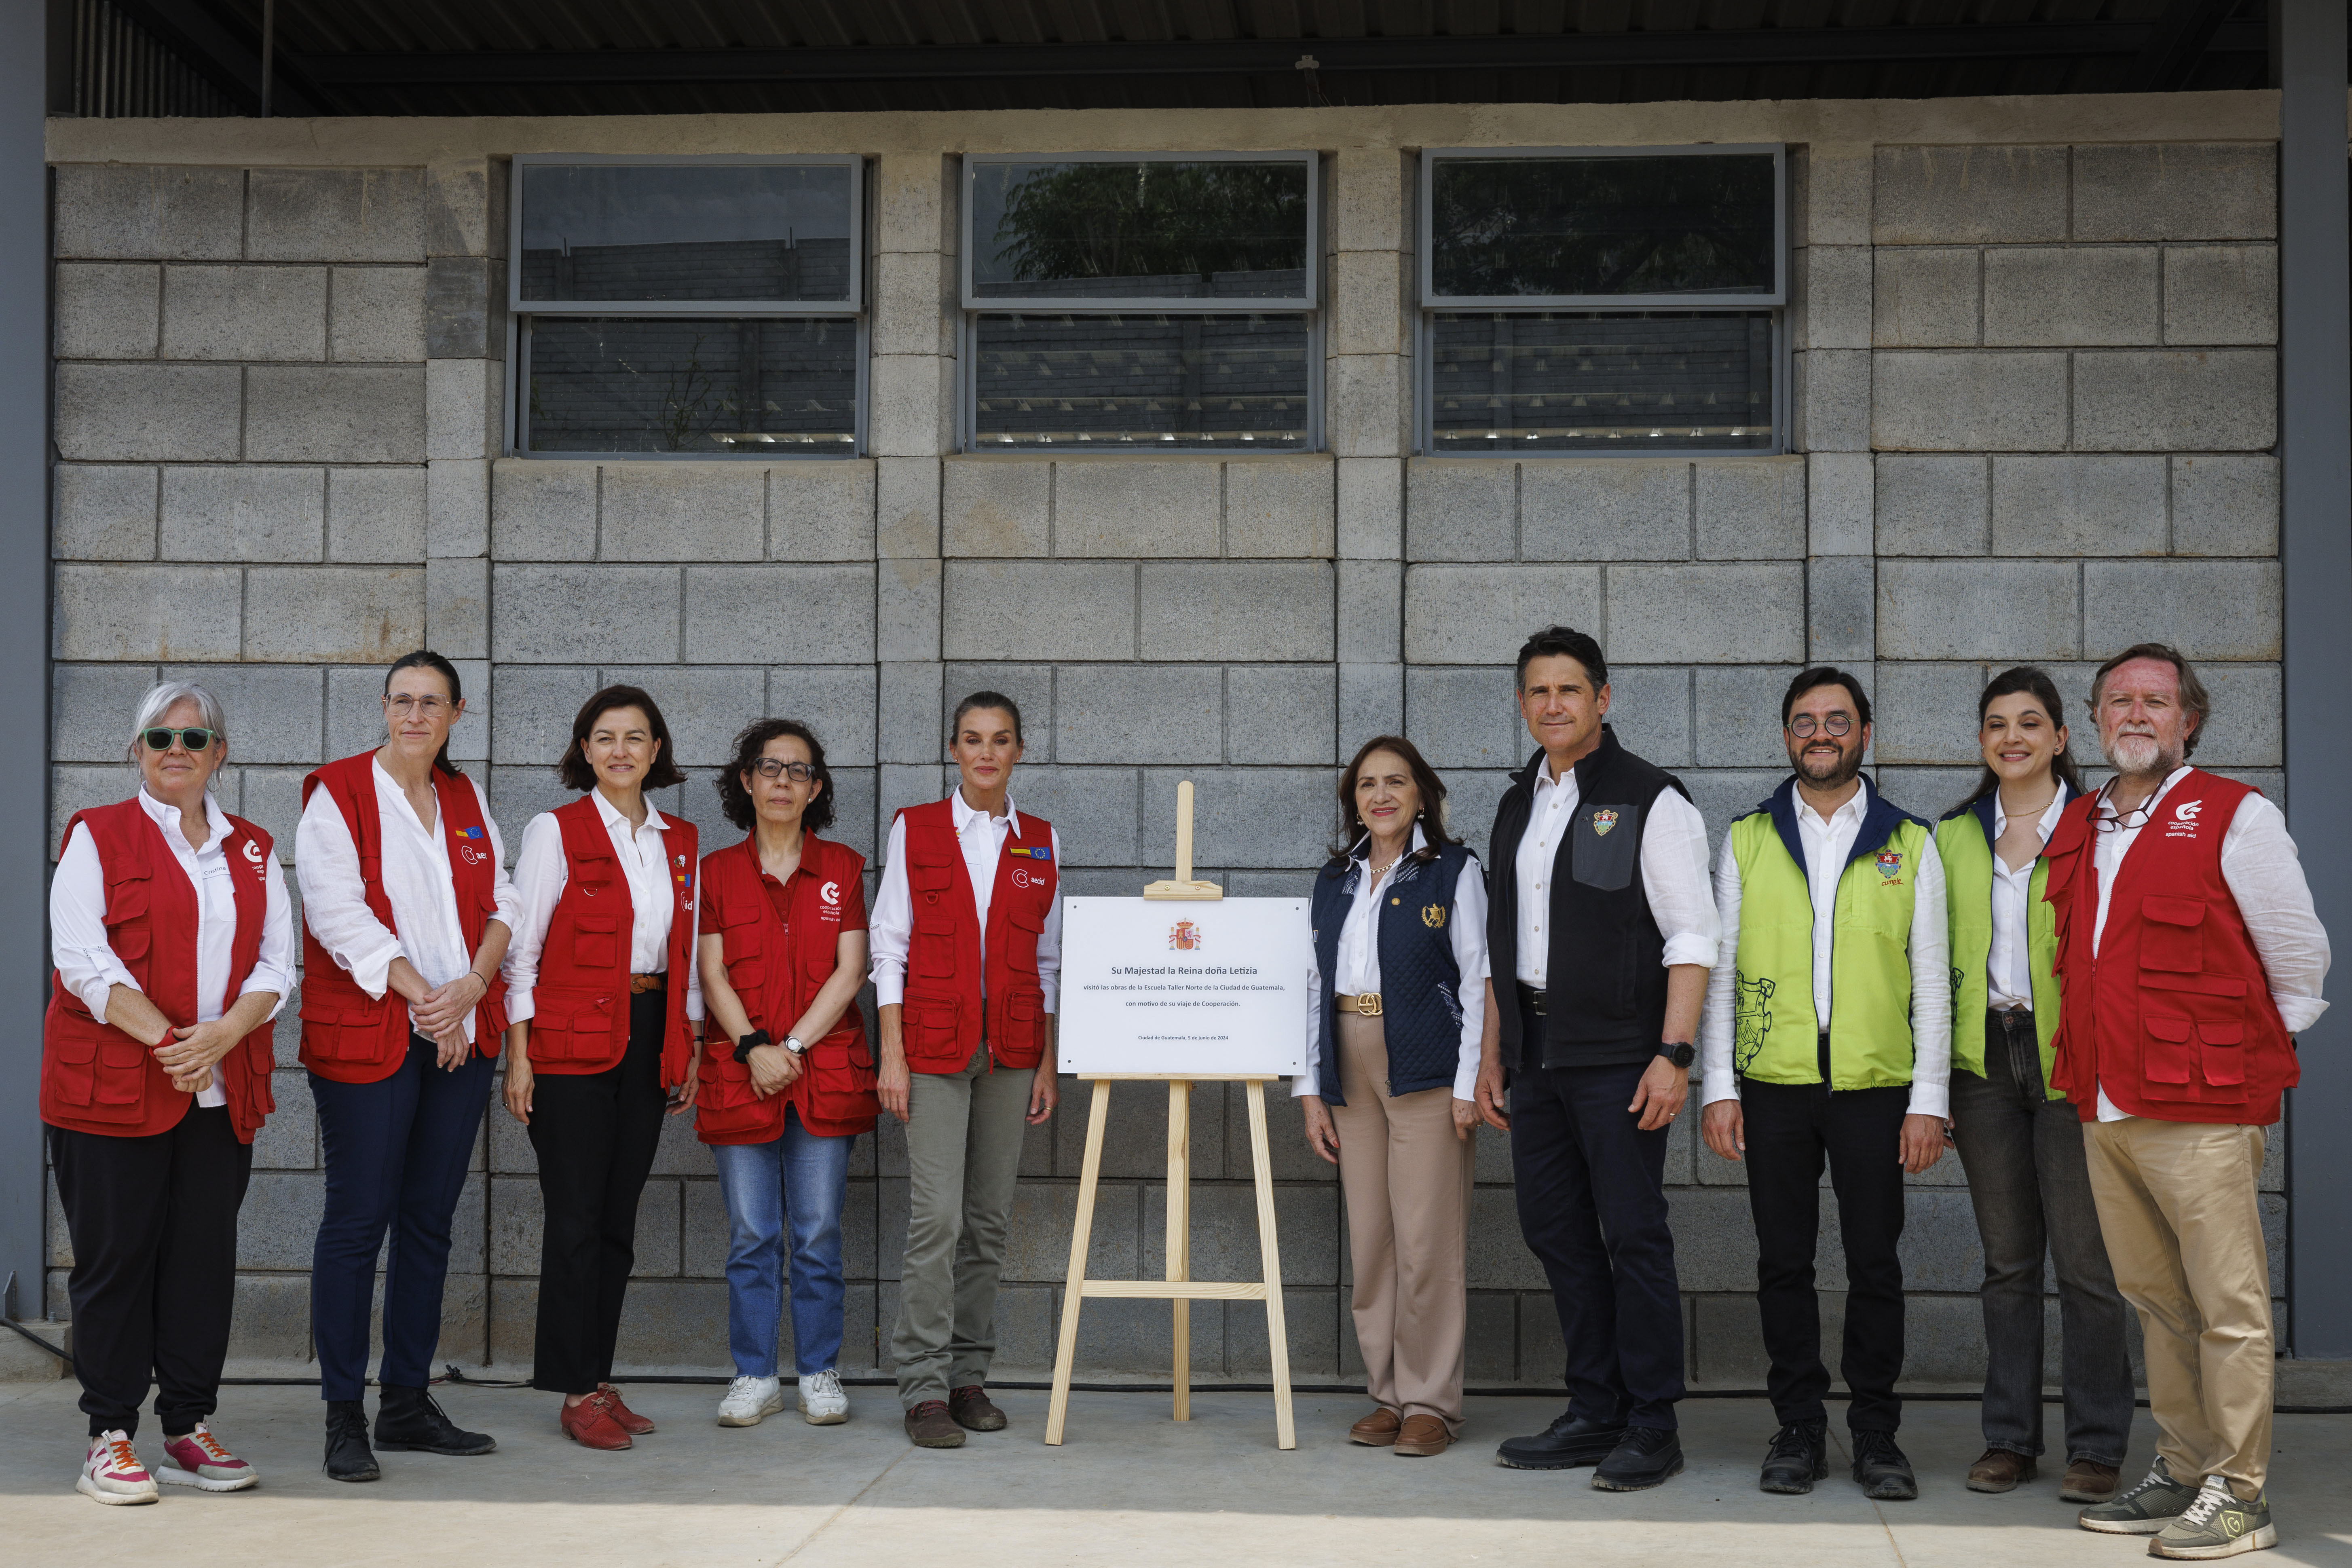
(2031, 1188)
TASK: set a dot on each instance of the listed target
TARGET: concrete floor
(1130, 1486)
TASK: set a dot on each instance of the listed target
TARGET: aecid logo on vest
(830, 896)
(2184, 819)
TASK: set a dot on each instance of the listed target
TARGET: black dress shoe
(349, 1457)
(1881, 1469)
(1798, 1456)
(1645, 1456)
(411, 1418)
(1565, 1444)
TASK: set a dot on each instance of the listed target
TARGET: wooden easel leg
(1180, 1237)
(1278, 1334)
(1065, 1356)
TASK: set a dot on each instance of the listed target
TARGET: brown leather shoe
(1377, 1430)
(971, 1410)
(1999, 1471)
(2087, 1481)
(1421, 1436)
(929, 1425)
(589, 1424)
(626, 1419)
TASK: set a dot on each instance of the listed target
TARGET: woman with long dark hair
(2018, 1140)
(1390, 1090)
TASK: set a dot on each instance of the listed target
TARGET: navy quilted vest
(1421, 1000)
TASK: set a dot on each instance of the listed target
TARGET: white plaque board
(1214, 988)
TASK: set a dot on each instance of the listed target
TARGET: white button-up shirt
(417, 882)
(891, 926)
(2009, 966)
(2264, 875)
(1356, 968)
(88, 964)
(542, 871)
(1673, 875)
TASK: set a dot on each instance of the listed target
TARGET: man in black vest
(1600, 930)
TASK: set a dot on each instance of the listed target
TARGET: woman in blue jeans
(787, 1079)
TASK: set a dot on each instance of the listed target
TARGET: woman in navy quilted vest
(1392, 1075)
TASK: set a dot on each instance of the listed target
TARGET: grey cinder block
(2220, 294)
(571, 615)
(1648, 707)
(1749, 508)
(1367, 412)
(2177, 191)
(1279, 507)
(457, 506)
(340, 614)
(274, 711)
(1605, 508)
(462, 407)
(907, 595)
(1934, 505)
(1833, 292)
(2225, 506)
(2004, 610)
(108, 310)
(2207, 609)
(1368, 307)
(245, 312)
(1032, 610)
(1371, 610)
(1725, 612)
(2072, 505)
(1372, 509)
(836, 700)
(148, 413)
(466, 207)
(812, 615)
(1372, 702)
(1253, 816)
(1480, 614)
(104, 513)
(533, 725)
(2037, 296)
(92, 708)
(1132, 507)
(913, 309)
(1839, 615)
(995, 506)
(1968, 402)
(1832, 401)
(143, 210)
(910, 404)
(1840, 506)
(463, 308)
(682, 511)
(824, 511)
(1280, 713)
(457, 606)
(146, 612)
(376, 515)
(335, 214)
(1029, 685)
(2216, 400)
(1737, 710)
(1093, 809)
(910, 714)
(1926, 713)
(1946, 196)
(346, 413)
(377, 314)
(1140, 713)
(538, 511)
(244, 512)
(1461, 509)
(905, 507)
(1463, 716)
(1278, 610)
(1925, 298)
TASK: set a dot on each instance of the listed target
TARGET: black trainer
(349, 1457)
(1645, 1457)
(1798, 1456)
(1566, 1444)
(1881, 1470)
(411, 1418)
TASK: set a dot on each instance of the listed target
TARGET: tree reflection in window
(1567, 227)
(1146, 229)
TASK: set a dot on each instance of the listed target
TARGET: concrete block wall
(2032, 411)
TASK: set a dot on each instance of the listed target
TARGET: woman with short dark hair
(602, 993)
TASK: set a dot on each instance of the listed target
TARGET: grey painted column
(2315, 544)
(24, 633)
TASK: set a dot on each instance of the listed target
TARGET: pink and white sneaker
(112, 1473)
(199, 1460)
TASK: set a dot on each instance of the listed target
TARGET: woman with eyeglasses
(603, 1009)
(174, 942)
(2020, 1140)
(787, 1077)
(406, 910)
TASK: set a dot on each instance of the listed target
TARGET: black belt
(1533, 999)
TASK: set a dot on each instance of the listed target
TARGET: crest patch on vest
(1602, 821)
(1434, 916)
(1751, 1020)
(1890, 867)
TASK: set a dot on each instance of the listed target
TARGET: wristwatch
(746, 1044)
(792, 1043)
(1682, 1053)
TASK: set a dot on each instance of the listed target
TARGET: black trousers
(153, 1225)
(595, 1134)
(1790, 1127)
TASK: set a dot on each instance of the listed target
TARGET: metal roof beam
(222, 53)
(2176, 43)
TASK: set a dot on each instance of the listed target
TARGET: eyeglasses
(773, 767)
(1803, 725)
(160, 739)
(402, 705)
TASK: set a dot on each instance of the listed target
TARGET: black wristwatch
(748, 1043)
(1682, 1053)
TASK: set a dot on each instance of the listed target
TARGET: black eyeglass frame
(1838, 725)
(775, 767)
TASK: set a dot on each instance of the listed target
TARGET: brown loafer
(1377, 1430)
(929, 1425)
(2087, 1481)
(1999, 1471)
(972, 1411)
(626, 1419)
(1421, 1436)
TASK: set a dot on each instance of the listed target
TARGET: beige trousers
(1407, 1180)
(2178, 1205)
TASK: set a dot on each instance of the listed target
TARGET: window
(704, 307)
(1603, 301)
(1141, 301)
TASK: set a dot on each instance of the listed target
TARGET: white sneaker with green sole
(2219, 1524)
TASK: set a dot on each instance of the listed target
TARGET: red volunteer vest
(945, 1018)
(777, 968)
(95, 1078)
(2173, 1017)
(580, 1022)
(349, 1037)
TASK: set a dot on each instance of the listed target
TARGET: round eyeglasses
(1803, 727)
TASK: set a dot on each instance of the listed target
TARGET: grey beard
(2160, 759)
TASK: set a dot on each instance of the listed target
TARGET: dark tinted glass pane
(1638, 381)
(1602, 226)
(687, 384)
(693, 231)
(1140, 231)
(1172, 381)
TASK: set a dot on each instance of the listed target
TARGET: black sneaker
(1566, 1444)
(411, 1418)
(1646, 1457)
(1879, 1466)
(349, 1457)
(1798, 1456)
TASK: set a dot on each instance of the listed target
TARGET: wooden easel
(1180, 1290)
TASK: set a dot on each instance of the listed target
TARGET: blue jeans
(802, 1178)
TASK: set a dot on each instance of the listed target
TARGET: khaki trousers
(1407, 1181)
(2178, 1208)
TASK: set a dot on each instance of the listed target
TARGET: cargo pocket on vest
(73, 1061)
(930, 1027)
(934, 955)
(335, 1033)
(596, 941)
(1021, 952)
(2172, 933)
(122, 1081)
(2221, 1056)
(2166, 1054)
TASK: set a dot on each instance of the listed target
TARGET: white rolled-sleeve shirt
(1828, 845)
(88, 964)
(1673, 876)
(542, 871)
(417, 882)
(890, 926)
(2009, 965)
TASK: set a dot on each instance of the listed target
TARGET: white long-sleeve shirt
(891, 925)
(542, 871)
(417, 882)
(2008, 964)
(88, 964)
(1828, 845)
(2266, 877)
(1673, 876)
(1356, 968)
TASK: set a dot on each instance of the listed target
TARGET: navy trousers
(397, 1153)
(1592, 1207)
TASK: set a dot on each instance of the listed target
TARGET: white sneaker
(750, 1398)
(112, 1473)
(823, 1404)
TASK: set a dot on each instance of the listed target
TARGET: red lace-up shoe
(589, 1424)
(626, 1419)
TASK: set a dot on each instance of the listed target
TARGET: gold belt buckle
(1368, 1004)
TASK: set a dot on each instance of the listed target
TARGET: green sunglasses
(160, 739)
